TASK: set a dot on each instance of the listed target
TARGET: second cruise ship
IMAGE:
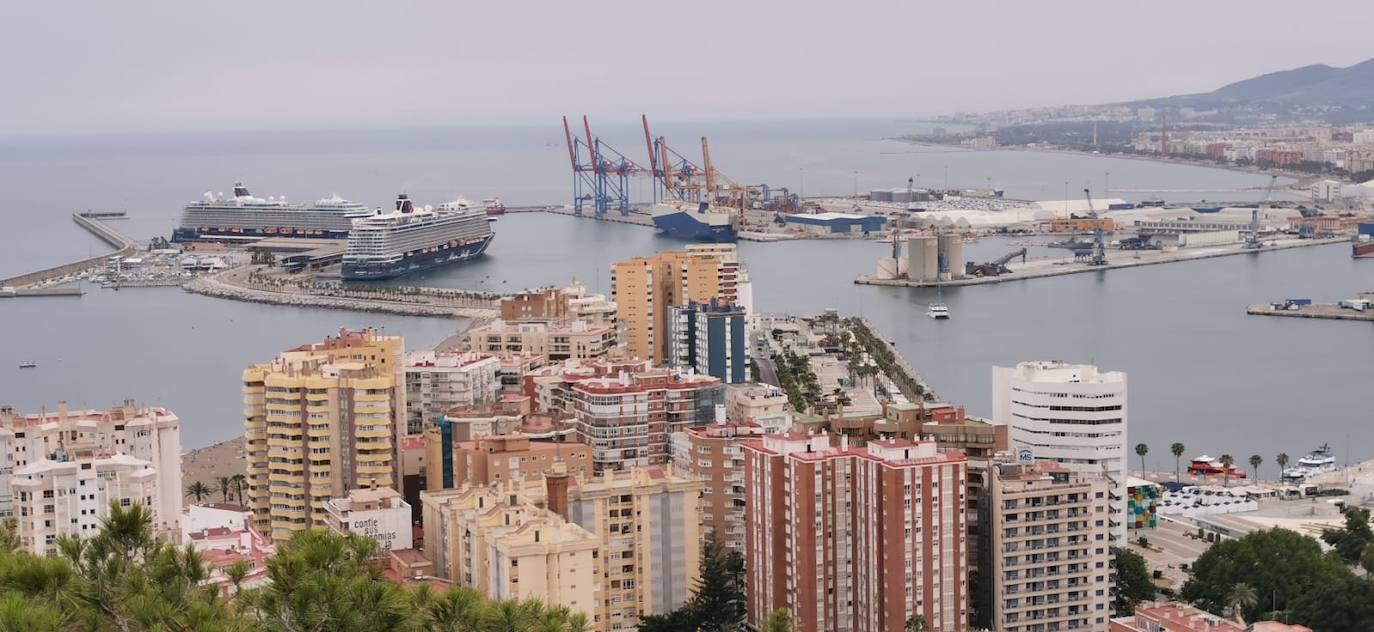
(410, 239)
(242, 217)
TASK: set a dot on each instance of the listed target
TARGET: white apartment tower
(1071, 414)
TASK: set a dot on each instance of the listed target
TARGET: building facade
(1072, 414)
(71, 495)
(499, 458)
(855, 538)
(438, 381)
(549, 341)
(714, 454)
(379, 514)
(710, 339)
(148, 434)
(319, 421)
(1049, 548)
(644, 288)
(635, 535)
(627, 419)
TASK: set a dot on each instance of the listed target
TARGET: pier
(1328, 312)
(1116, 259)
(243, 285)
(123, 247)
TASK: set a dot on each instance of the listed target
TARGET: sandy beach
(208, 464)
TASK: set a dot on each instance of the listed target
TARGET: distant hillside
(1318, 85)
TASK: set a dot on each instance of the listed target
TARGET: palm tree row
(124, 578)
(227, 486)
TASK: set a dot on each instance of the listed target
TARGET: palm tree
(1177, 449)
(1142, 449)
(1226, 462)
(778, 621)
(1282, 460)
(915, 623)
(239, 481)
(225, 486)
(199, 491)
(1242, 598)
(1255, 461)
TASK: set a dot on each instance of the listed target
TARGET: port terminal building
(836, 222)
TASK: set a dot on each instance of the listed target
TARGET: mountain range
(1316, 85)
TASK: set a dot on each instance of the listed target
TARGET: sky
(162, 66)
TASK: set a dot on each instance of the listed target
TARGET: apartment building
(151, 434)
(551, 341)
(377, 513)
(710, 339)
(503, 457)
(1072, 414)
(438, 381)
(627, 418)
(560, 304)
(636, 533)
(755, 402)
(644, 288)
(850, 538)
(502, 542)
(714, 454)
(321, 420)
(1049, 555)
(70, 493)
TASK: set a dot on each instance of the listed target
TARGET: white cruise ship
(244, 217)
(410, 239)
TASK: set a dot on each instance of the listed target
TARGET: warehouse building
(837, 222)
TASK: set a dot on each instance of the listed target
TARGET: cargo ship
(242, 217)
(697, 221)
(410, 239)
(494, 206)
(1362, 249)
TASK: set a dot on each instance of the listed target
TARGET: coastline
(227, 285)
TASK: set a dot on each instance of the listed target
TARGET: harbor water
(1201, 371)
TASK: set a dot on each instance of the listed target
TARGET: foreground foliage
(125, 579)
(1283, 576)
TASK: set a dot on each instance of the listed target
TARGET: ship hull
(1363, 250)
(416, 262)
(184, 235)
(685, 226)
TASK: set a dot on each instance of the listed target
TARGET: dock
(65, 290)
(1116, 259)
(1328, 312)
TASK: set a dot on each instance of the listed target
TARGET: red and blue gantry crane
(602, 180)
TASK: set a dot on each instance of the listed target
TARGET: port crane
(603, 179)
(996, 267)
(1252, 240)
(1099, 252)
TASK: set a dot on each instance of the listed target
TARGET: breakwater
(123, 247)
(244, 284)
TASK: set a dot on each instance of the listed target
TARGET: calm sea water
(1201, 371)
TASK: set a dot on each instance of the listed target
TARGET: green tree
(1290, 574)
(239, 481)
(1133, 583)
(1141, 450)
(1255, 461)
(778, 621)
(198, 491)
(1226, 462)
(1367, 559)
(1351, 541)
(717, 603)
(915, 623)
(1177, 450)
(1282, 460)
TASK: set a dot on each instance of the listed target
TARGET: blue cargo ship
(410, 239)
(697, 221)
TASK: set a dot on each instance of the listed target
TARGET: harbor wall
(123, 248)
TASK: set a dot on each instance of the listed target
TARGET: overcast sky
(177, 66)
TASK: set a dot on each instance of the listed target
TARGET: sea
(1200, 370)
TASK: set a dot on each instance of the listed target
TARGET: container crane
(603, 179)
(1252, 240)
(1099, 253)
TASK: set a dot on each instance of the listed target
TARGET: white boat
(938, 311)
(1321, 458)
(28, 365)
